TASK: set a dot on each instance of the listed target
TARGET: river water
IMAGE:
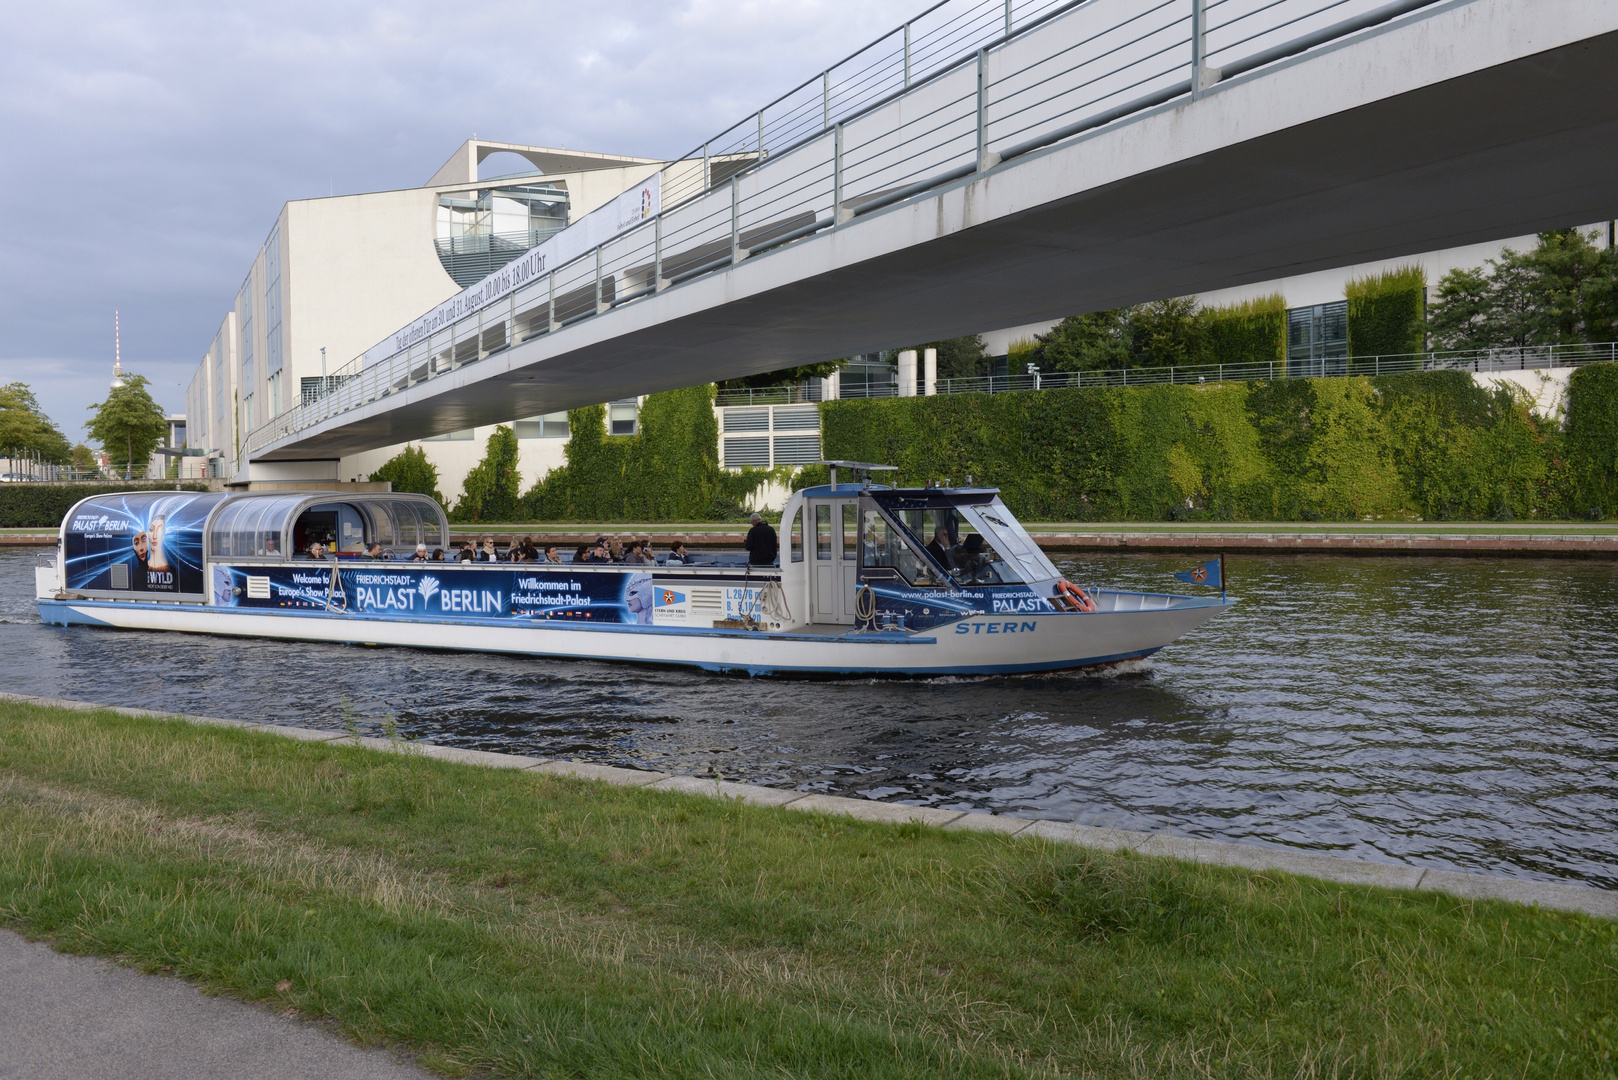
(1443, 712)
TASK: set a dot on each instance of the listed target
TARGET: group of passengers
(633, 553)
(604, 550)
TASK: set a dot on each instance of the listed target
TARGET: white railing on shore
(960, 88)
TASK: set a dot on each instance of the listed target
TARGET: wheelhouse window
(884, 547)
(796, 543)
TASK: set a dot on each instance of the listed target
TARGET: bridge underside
(1510, 149)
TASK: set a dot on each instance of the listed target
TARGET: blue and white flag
(1209, 574)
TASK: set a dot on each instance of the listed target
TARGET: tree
(129, 424)
(1098, 341)
(1562, 292)
(1166, 333)
(82, 457)
(24, 427)
(961, 357)
(490, 491)
(409, 470)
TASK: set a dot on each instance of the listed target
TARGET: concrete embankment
(1470, 886)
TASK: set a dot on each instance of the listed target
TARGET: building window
(454, 436)
(550, 426)
(1317, 339)
(868, 375)
(622, 417)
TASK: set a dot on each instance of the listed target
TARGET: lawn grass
(535, 925)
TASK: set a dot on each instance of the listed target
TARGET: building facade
(337, 275)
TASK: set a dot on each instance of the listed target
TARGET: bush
(667, 471)
(1386, 312)
(409, 470)
(43, 506)
(489, 492)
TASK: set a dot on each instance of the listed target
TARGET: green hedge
(1253, 332)
(43, 506)
(1591, 465)
(1427, 444)
(1387, 312)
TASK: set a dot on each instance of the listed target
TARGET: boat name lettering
(996, 628)
(1018, 603)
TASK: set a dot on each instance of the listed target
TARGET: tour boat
(870, 580)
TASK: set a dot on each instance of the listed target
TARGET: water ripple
(1452, 713)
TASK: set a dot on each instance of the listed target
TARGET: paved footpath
(78, 1018)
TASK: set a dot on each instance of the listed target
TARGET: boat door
(835, 525)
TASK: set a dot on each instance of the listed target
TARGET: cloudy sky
(149, 146)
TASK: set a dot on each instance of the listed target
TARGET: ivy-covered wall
(1433, 445)
(667, 471)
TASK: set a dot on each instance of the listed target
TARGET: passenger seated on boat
(421, 554)
(677, 556)
(582, 553)
(636, 555)
(615, 550)
(553, 554)
(939, 548)
(466, 554)
(270, 546)
(975, 559)
(375, 552)
(486, 553)
(438, 554)
(317, 550)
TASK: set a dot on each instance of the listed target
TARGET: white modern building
(337, 275)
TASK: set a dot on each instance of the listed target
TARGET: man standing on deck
(761, 544)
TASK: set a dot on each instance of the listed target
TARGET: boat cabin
(911, 557)
(158, 543)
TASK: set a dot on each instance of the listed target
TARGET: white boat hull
(978, 644)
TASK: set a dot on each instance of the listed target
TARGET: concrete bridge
(1104, 153)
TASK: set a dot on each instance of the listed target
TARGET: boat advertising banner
(438, 591)
(138, 542)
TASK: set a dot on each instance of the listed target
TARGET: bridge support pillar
(907, 373)
(929, 370)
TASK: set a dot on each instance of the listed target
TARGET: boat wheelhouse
(869, 580)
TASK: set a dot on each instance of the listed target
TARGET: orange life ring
(1073, 595)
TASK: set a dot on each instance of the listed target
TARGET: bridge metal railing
(956, 90)
(1527, 358)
